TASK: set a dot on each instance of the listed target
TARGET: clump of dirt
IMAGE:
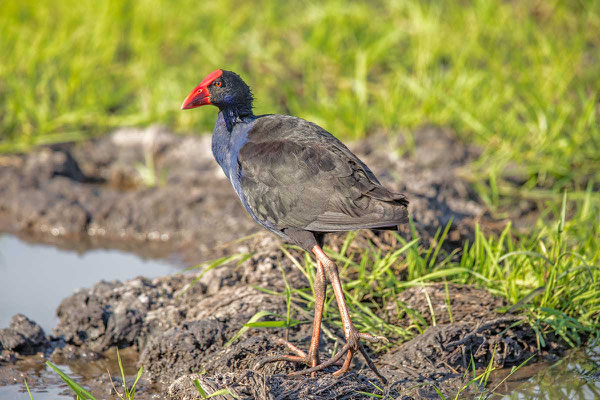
(449, 303)
(443, 353)
(258, 385)
(23, 336)
(125, 314)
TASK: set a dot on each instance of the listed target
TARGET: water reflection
(35, 278)
(575, 377)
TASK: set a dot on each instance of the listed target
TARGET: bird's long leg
(326, 267)
(312, 358)
(352, 335)
(319, 287)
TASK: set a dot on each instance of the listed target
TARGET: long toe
(332, 361)
(372, 338)
(300, 357)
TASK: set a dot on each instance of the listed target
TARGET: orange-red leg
(351, 334)
(319, 288)
(326, 267)
(312, 358)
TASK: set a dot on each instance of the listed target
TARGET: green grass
(518, 78)
(128, 393)
(477, 387)
(205, 395)
(549, 276)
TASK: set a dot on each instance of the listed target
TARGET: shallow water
(52, 390)
(35, 278)
(45, 384)
(575, 377)
(18, 392)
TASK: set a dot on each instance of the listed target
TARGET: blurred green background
(519, 78)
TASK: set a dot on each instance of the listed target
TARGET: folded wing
(295, 176)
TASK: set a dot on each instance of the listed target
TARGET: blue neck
(226, 141)
(233, 114)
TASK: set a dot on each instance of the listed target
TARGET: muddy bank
(22, 337)
(99, 194)
(182, 335)
(92, 193)
(181, 330)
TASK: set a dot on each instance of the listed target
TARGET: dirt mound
(23, 336)
(182, 331)
(183, 334)
(449, 303)
(257, 385)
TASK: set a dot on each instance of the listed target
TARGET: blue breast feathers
(226, 148)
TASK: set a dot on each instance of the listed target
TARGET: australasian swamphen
(300, 182)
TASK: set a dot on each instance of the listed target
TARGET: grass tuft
(549, 276)
(81, 393)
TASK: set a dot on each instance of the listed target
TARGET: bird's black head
(230, 90)
(224, 89)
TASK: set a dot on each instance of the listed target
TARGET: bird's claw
(309, 359)
(373, 339)
(351, 347)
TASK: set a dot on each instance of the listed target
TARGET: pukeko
(300, 182)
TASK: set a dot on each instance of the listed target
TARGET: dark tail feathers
(384, 194)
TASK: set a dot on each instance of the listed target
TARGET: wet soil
(181, 333)
(93, 194)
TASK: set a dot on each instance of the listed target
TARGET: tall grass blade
(79, 391)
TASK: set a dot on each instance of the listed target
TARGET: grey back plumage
(295, 174)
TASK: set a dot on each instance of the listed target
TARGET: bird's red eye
(218, 83)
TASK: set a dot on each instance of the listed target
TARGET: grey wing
(315, 185)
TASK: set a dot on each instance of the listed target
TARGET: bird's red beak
(200, 95)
